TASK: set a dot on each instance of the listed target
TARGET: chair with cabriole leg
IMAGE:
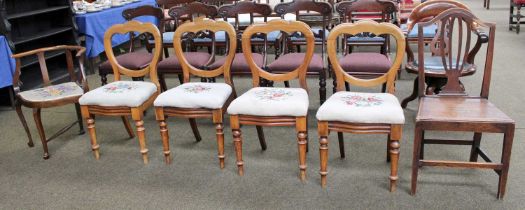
(51, 95)
(124, 98)
(452, 109)
(363, 113)
(198, 99)
(268, 106)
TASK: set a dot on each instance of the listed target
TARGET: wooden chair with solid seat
(363, 113)
(453, 110)
(51, 95)
(197, 99)
(287, 60)
(269, 106)
(435, 74)
(124, 98)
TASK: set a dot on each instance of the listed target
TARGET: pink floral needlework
(273, 94)
(119, 87)
(362, 101)
(197, 88)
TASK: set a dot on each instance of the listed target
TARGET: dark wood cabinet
(32, 24)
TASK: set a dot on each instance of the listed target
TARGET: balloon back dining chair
(198, 99)
(359, 112)
(124, 98)
(270, 106)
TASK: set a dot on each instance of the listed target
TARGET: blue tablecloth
(94, 25)
(7, 64)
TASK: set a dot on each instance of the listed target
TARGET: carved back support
(347, 9)
(166, 4)
(459, 24)
(430, 9)
(145, 10)
(204, 25)
(40, 53)
(141, 28)
(287, 27)
(192, 9)
(244, 7)
(361, 27)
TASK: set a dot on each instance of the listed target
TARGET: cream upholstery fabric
(264, 101)
(357, 107)
(195, 95)
(120, 93)
(53, 92)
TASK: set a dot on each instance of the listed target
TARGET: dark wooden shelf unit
(32, 24)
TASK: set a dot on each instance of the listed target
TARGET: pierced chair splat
(452, 109)
(124, 98)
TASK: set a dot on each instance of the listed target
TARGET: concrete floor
(73, 179)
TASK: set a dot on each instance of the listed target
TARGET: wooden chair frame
(425, 12)
(348, 10)
(300, 123)
(137, 113)
(247, 7)
(394, 131)
(37, 106)
(324, 9)
(429, 119)
(217, 115)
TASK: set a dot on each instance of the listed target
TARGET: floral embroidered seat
(52, 93)
(120, 93)
(355, 107)
(195, 95)
(263, 101)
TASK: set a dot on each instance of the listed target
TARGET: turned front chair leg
(323, 150)
(220, 143)
(93, 137)
(237, 141)
(165, 140)
(301, 128)
(20, 114)
(41, 132)
(395, 136)
(142, 139)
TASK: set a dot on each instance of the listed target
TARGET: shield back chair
(51, 95)
(172, 64)
(365, 65)
(237, 11)
(453, 110)
(363, 113)
(435, 74)
(197, 99)
(132, 59)
(287, 60)
(269, 106)
(515, 17)
(124, 98)
(355, 10)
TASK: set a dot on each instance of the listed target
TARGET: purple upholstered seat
(239, 64)
(365, 62)
(172, 64)
(133, 61)
(289, 62)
